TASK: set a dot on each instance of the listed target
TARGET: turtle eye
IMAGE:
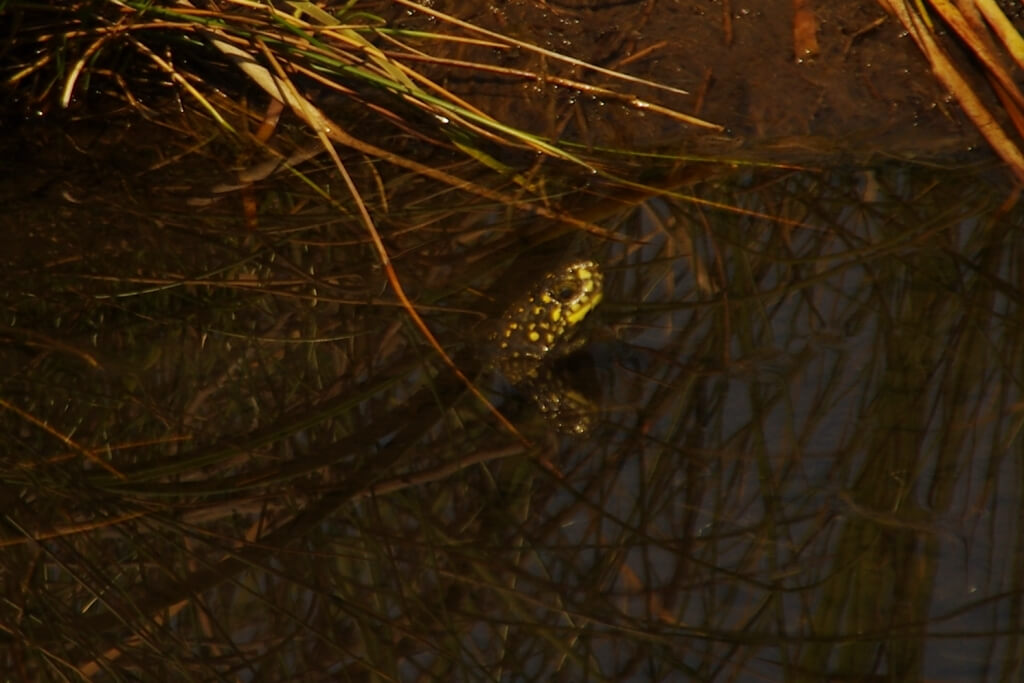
(565, 293)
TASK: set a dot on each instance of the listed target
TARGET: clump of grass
(983, 28)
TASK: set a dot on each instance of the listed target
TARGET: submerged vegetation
(249, 427)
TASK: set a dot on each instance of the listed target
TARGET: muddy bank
(867, 91)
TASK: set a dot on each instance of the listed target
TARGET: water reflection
(822, 447)
(806, 463)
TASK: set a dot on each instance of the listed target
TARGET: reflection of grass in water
(851, 369)
(780, 470)
(793, 403)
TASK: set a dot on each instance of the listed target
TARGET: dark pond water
(228, 451)
(807, 456)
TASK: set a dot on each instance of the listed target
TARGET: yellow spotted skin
(541, 326)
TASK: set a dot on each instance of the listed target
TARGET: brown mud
(866, 92)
